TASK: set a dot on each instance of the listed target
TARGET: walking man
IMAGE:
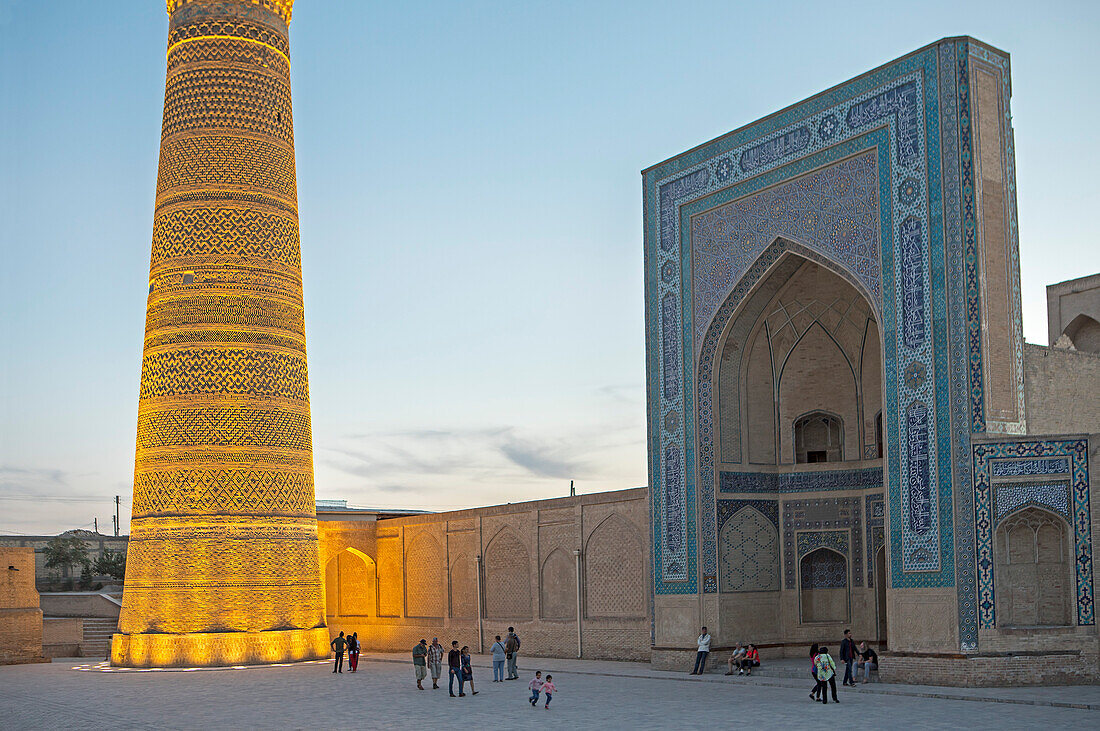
(419, 653)
(454, 669)
(338, 644)
(511, 653)
(701, 656)
(435, 661)
(848, 656)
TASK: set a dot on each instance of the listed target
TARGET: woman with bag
(467, 670)
(353, 651)
(499, 657)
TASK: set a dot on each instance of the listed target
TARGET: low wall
(1058, 667)
(395, 581)
(62, 636)
(80, 604)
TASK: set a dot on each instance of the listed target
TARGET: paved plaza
(78, 693)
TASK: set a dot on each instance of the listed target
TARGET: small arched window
(818, 437)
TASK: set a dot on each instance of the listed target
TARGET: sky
(469, 193)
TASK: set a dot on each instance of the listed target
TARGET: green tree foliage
(67, 552)
(111, 564)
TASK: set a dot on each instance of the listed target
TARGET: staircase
(97, 636)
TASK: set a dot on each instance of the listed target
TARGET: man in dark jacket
(511, 653)
(848, 656)
(338, 645)
(454, 669)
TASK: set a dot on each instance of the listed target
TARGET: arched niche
(1033, 570)
(613, 559)
(351, 585)
(804, 338)
(507, 577)
(1084, 332)
(823, 586)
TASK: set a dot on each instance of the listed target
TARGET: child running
(548, 688)
(536, 688)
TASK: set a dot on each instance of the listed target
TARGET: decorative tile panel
(990, 490)
(771, 482)
(817, 515)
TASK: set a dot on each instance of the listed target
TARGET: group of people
(860, 656)
(429, 658)
(339, 645)
(823, 667)
(744, 657)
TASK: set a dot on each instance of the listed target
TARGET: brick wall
(992, 670)
(20, 617)
(1061, 390)
(427, 574)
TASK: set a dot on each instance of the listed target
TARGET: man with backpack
(511, 653)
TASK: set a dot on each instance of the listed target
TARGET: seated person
(867, 659)
(736, 658)
(750, 661)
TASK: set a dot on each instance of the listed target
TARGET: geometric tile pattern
(748, 549)
(225, 371)
(224, 426)
(1009, 498)
(216, 160)
(228, 232)
(1070, 500)
(822, 569)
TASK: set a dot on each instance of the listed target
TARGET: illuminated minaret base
(222, 563)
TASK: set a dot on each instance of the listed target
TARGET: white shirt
(704, 643)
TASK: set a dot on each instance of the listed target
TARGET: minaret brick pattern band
(222, 565)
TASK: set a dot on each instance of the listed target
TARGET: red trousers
(353, 660)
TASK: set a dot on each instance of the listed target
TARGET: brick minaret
(222, 564)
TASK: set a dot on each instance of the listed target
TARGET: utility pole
(118, 498)
(95, 525)
(572, 491)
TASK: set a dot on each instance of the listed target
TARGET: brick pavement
(590, 694)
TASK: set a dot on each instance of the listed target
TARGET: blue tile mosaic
(746, 482)
(1025, 467)
(1007, 499)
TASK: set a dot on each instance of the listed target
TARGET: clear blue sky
(470, 217)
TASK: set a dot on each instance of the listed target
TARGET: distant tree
(67, 552)
(111, 564)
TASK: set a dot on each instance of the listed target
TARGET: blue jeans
(513, 671)
(498, 670)
(848, 672)
(700, 662)
(548, 697)
(534, 696)
(455, 673)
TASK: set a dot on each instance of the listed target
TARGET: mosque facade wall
(888, 199)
